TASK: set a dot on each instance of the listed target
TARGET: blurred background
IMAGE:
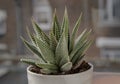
(103, 16)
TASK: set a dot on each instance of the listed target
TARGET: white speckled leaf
(47, 66)
(40, 34)
(56, 27)
(48, 71)
(61, 53)
(79, 42)
(74, 31)
(33, 49)
(45, 51)
(66, 67)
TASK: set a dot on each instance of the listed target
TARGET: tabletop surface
(106, 78)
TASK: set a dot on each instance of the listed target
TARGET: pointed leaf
(78, 62)
(53, 42)
(47, 66)
(29, 61)
(48, 71)
(74, 31)
(39, 32)
(81, 51)
(62, 51)
(66, 67)
(56, 27)
(80, 41)
(33, 49)
(65, 26)
(45, 51)
(31, 36)
(85, 34)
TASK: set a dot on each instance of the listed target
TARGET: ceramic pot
(77, 78)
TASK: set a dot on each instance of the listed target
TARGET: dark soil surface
(83, 67)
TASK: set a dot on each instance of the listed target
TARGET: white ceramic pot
(78, 78)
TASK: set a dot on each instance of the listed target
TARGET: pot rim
(36, 74)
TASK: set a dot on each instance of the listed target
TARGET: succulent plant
(59, 52)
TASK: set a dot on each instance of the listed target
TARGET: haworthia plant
(59, 52)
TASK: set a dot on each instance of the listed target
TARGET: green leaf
(45, 51)
(61, 53)
(39, 32)
(79, 42)
(83, 36)
(74, 31)
(53, 42)
(56, 27)
(81, 51)
(48, 71)
(31, 36)
(65, 27)
(66, 67)
(29, 61)
(47, 66)
(33, 49)
(78, 62)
